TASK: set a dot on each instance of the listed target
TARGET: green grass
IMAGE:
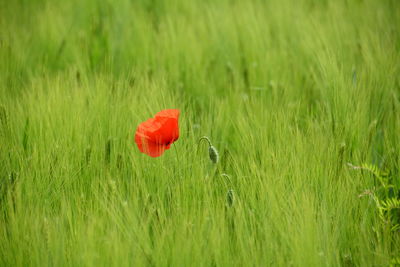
(289, 92)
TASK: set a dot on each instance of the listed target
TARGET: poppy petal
(156, 135)
(168, 113)
(150, 148)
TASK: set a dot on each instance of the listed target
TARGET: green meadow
(300, 98)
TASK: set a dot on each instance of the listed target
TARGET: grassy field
(289, 92)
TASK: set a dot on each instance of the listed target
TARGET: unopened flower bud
(214, 156)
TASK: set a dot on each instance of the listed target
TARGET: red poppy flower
(156, 135)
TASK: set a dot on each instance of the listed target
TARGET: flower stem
(205, 138)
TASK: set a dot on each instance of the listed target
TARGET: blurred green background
(289, 92)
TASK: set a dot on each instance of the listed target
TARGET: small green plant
(395, 262)
(385, 195)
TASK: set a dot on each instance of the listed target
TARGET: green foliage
(395, 262)
(387, 200)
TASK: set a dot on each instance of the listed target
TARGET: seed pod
(214, 156)
(212, 151)
(230, 198)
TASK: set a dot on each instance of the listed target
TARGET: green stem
(205, 138)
